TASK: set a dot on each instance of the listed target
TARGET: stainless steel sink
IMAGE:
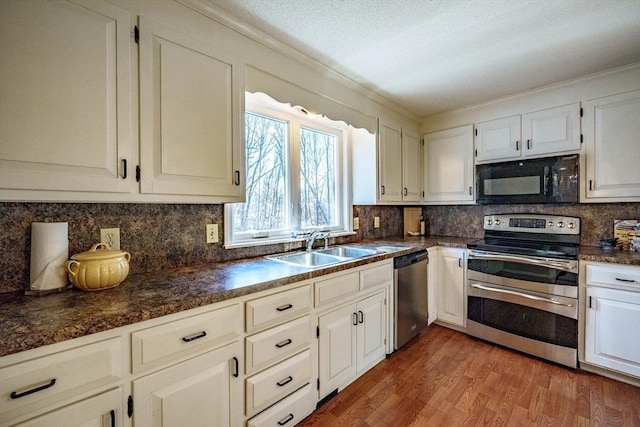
(308, 259)
(347, 251)
(323, 257)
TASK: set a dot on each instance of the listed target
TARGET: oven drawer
(567, 307)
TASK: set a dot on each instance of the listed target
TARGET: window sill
(278, 240)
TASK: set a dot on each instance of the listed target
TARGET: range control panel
(533, 223)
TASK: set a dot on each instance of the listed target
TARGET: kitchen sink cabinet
(611, 307)
(535, 134)
(612, 126)
(450, 289)
(65, 109)
(448, 166)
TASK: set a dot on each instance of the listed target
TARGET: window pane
(266, 155)
(317, 178)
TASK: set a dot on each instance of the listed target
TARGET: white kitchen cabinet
(451, 286)
(389, 162)
(98, 411)
(612, 333)
(448, 166)
(536, 134)
(612, 140)
(498, 139)
(202, 391)
(351, 340)
(411, 166)
(65, 103)
(190, 116)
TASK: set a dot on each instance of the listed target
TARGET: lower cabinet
(451, 286)
(351, 340)
(202, 391)
(612, 329)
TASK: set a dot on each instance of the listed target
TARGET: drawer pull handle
(284, 307)
(18, 395)
(194, 337)
(285, 381)
(236, 367)
(284, 343)
(285, 420)
(625, 280)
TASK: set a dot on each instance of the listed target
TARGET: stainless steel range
(522, 285)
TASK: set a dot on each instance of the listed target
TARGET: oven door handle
(544, 262)
(520, 294)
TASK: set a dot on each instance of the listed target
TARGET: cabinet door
(451, 298)
(98, 411)
(448, 165)
(612, 129)
(371, 331)
(552, 130)
(65, 97)
(189, 116)
(612, 336)
(411, 167)
(498, 139)
(389, 162)
(199, 392)
(337, 348)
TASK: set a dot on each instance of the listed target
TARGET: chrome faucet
(311, 236)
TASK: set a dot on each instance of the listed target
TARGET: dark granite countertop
(28, 322)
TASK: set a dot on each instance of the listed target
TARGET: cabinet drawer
(275, 344)
(288, 412)
(274, 309)
(164, 343)
(27, 386)
(337, 288)
(271, 385)
(615, 275)
(376, 276)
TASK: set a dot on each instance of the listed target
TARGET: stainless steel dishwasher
(410, 284)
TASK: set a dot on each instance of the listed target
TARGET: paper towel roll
(49, 254)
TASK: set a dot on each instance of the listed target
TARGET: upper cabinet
(411, 166)
(549, 131)
(69, 113)
(189, 116)
(389, 162)
(612, 140)
(448, 166)
(65, 97)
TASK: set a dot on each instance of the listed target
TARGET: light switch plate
(212, 233)
(356, 223)
(110, 237)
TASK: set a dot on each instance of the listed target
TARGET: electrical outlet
(212, 233)
(356, 223)
(376, 222)
(110, 237)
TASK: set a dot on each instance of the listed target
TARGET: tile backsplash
(163, 236)
(159, 236)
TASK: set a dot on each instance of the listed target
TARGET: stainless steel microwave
(546, 180)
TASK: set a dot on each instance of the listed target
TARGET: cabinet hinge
(318, 384)
(317, 331)
(136, 34)
(581, 112)
(581, 138)
(130, 406)
(137, 173)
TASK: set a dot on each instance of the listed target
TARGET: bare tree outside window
(317, 178)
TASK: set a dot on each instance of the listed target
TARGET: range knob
(550, 224)
(489, 221)
(560, 224)
(571, 225)
(497, 221)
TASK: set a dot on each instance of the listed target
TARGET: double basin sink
(323, 257)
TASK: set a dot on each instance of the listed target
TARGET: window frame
(296, 118)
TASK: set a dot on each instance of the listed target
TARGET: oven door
(537, 274)
(532, 322)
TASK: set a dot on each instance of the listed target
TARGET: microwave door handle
(546, 179)
(520, 294)
(563, 265)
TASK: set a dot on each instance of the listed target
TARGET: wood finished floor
(446, 378)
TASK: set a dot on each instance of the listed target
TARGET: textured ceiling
(431, 56)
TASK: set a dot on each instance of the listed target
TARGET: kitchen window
(295, 175)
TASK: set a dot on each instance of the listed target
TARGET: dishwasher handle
(407, 260)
